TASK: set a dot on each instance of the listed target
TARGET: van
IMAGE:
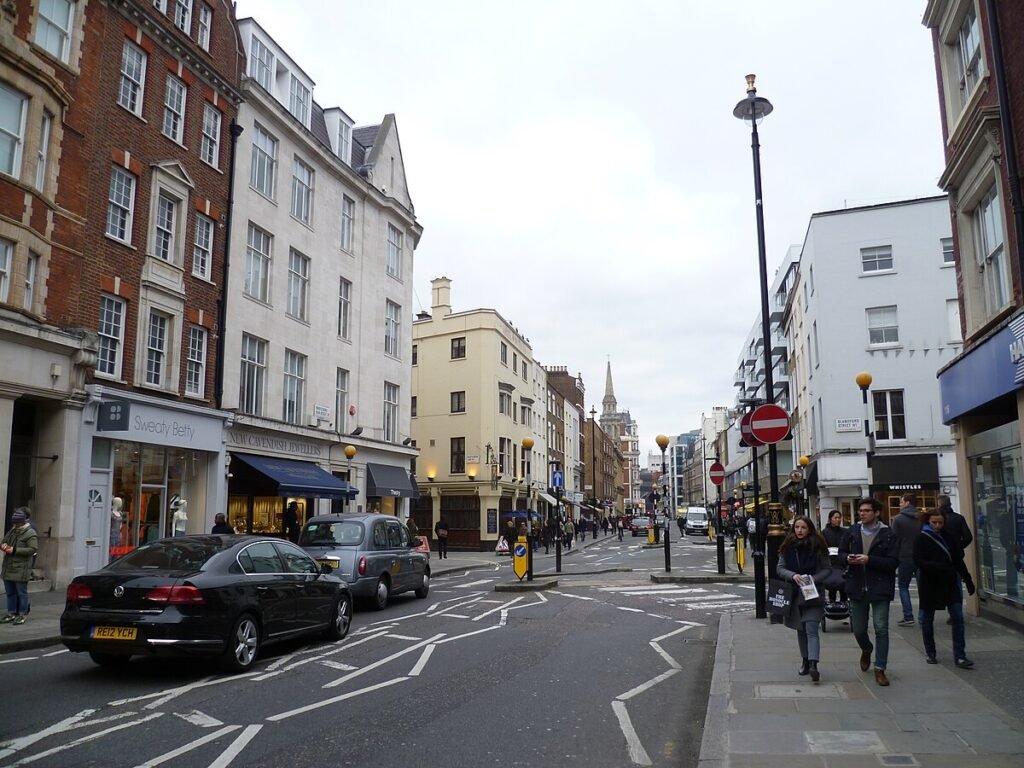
(696, 521)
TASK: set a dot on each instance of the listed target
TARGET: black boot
(814, 671)
(804, 668)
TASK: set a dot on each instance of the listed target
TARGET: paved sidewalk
(760, 713)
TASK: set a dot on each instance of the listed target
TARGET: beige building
(477, 394)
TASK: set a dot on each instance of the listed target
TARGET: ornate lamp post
(662, 442)
(350, 453)
(527, 451)
(863, 380)
(804, 461)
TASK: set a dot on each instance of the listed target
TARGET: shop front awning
(545, 497)
(268, 476)
(388, 480)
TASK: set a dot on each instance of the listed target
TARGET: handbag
(781, 595)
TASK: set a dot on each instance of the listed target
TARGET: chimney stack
(441, 299)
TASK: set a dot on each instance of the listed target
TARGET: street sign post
(745, 435)
(716, 473)
(769, 423)
(519, 558)
(556, 478)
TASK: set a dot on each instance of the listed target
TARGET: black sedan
(220, 596)
(638, 526)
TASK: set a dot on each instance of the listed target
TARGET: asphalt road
(607, 669)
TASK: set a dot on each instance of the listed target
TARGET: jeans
(442, 546)
(907, 571)
(810, 643)
(880, 619)
(927, 618)
(17, 597)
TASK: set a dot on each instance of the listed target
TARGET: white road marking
(705, 606)
(647, 588)
(662, 592)
(85, 739)
(12, 746)
(575, 597)
(55, 653)
(201, 719)
(470, 634)
(636, 750)
(454, 615)
(236, 746)
(714, 596)
(188, 747)
(338, 665)
(631, 610)
(649, 684)
(403, 637)
(15, 661)
(473, 583)
(162, 697)
(346, 645)
(334, 700)
(421, 662)
(381, 662)
(505, 605)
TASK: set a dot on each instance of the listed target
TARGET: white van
(696, 521)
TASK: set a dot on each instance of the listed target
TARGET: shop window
(998, 484)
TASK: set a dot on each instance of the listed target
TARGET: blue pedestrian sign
(556, 479)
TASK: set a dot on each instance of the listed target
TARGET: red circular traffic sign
(748, 438)
(716, 473)
(769, 423)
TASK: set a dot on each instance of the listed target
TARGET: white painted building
(318, 324)
(875, 292)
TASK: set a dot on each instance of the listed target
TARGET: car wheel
(243, 644)
(382, 594)
(341, 620)
(424, 586)
(110, 660)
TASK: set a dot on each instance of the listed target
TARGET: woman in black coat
(803, 557)
(940, 559)
(833, 535)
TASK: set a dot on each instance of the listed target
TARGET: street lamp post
(593, 455)
(804, 461)
(662, 442)
(753, 109)
(528, 451)
(863, 380)
(350, 453)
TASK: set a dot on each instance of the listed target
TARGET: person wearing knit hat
(19, 547)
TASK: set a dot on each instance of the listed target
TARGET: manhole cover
(897, 760)
(785, 691)
(844, 742)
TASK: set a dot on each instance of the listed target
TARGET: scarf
(937, 538)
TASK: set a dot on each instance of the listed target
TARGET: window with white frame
(968, 54)
(183, 15)
(261, 63)
(503, 353)
(344, 308)
(13, 106)
(392, 328)
(195, 373)
(953, 318)
(302, 192)
(415, 354)
(877, 259)
(298, 100)
(6, 263)
(121, 205)
(505, 403)
(883, 327)
(524, 415)
(390, 412)
(294, 387)
(202, 248)
(524, 370)
(45, 127)
(252, 375)
(345, 141)
(209, 149)
(890, 418)
(948, 256)
(160, 5)
(340, 400)
(459, 348)
(111, 337)
(205, 24)
(298, 285)
(157, 332)
(458, 401)
(504, 453)
(53, 27)
(264, 161)
(412, 407)
(348, 222)
(457, 455)
(28, 295)
(174, 109)
(133, 78)
(394, 253)
(257, 263)
(165, 228)
(987, 221)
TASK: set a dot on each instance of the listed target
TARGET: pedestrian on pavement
(621, 525)
(833, 534)
(570, 533)
(604, 525)
(220, 524)
(681, 522)
(940, 560)
(19, 548)
(441, 532)
(871, 551)
(906, 527)
(803, 559)
(581, 529)
(953, 523)
(414, 530)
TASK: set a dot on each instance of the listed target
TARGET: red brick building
(979, 57)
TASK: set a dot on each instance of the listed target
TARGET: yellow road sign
(519, 561)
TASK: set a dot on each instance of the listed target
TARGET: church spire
(609, 404)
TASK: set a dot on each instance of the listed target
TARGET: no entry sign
(716, 473)
(748, 438)
(769, 423)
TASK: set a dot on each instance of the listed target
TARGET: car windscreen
(184, 555)
(332, 533)
(697, 517)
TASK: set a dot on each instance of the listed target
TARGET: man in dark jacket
(953, 523)
(906, 527)
(870, 550)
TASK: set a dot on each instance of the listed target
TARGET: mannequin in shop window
(179, 523)
(116, 505)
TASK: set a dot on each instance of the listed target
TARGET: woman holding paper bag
(803, 559)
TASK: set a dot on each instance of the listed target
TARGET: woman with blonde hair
(803, 559)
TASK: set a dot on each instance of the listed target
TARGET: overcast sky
(576, 165)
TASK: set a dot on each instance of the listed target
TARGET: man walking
(906, 527)
(871, 550)
(953, 523)
(19, 548)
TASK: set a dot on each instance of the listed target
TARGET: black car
(638, 526)
(220, 596)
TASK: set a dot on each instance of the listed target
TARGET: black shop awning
(267, 476)
(905, 472)
(387, 480)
